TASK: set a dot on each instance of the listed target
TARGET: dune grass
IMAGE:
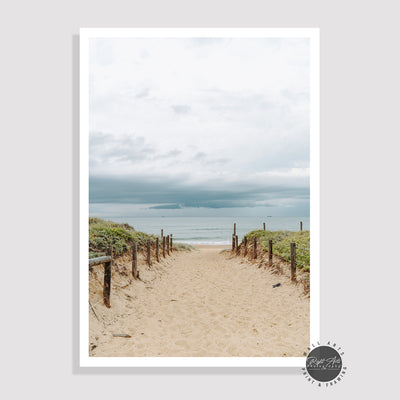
(281, 244)
(182, 246)
(121, 237)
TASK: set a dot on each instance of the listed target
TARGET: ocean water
(208, 230)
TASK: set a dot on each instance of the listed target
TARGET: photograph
(199, 196)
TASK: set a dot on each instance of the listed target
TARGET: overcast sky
(200, 126)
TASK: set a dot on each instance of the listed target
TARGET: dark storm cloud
(166, 207)
(173, 194)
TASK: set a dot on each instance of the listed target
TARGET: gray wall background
(39, 201)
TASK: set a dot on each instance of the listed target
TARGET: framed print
(199, 196)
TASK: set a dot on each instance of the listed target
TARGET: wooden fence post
(301, 226)
(292, 261)
(170, 238)
(270, 252)
(162, 233)
(163, 246)
(264, 225)
(245, 246)
(237, 244)
(233, 242)
(148, 253)
(234, 229)
(168, 244)
(255, 248)
(134, 260)
(107, 279)
(157, 250)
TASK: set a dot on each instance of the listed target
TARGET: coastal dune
(203, 303)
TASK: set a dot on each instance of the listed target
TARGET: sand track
(203, 303)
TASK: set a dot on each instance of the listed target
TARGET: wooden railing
(107, 260)
(236, 249)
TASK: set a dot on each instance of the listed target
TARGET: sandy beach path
(205, 303)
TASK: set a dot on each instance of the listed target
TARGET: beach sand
(204, 303)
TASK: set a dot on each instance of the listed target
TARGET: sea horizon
(202, 230)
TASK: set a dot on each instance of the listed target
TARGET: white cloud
(202, 109)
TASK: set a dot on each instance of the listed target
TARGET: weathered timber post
(264, 225)
(245, 246)
(167, 244)
(170, 238)
(157, 250)
(163, 246)
(162, 233)
(107, 278)
(270, 252)
(237, 244)
(134, 260)
(301, 226)
(234, 229)
(148, 253)
(293, 261)
(255, 248)
(233, 242)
